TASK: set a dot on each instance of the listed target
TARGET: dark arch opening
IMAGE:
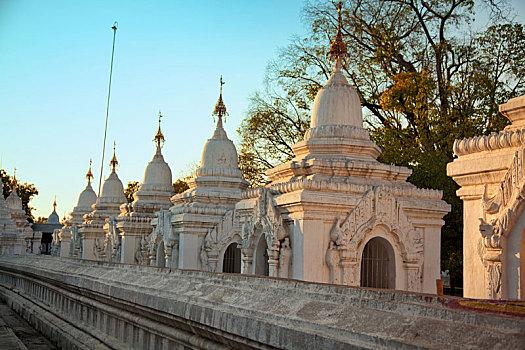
(378, 268)
(261, 258)
(161, 255)
(231, 263)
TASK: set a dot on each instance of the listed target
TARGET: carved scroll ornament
(498, 217)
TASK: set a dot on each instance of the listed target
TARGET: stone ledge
(265, 312)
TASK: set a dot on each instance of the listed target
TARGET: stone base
(129, 306)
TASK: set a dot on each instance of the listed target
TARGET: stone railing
(83, 304)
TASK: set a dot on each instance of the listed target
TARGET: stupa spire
(55, 203)
(14, 182)
(89, 174)
(338, 51)
(220, 109)
(159, 137)
(113, 163)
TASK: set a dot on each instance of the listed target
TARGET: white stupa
(19, 216)
(134, 221)
(107, 205)
(69, 235)
(214, 190)
(11, 240)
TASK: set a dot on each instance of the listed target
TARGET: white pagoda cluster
(332, 214)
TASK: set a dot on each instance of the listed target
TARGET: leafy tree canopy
(131, 188)
(179, 186)
(26, 192)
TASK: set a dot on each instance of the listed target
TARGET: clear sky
(54, 69)
(169, 55)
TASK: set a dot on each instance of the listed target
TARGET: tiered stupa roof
(153, 195)
(53, 217)
(336, 143)
(107, 205)
(18, 214)
(86, 199)
(218, 179)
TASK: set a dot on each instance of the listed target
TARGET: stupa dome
(158, 172)
(14, 201)
(87, 197)
(112, 187)
(219, 151)
(53, 218)
(337, 103)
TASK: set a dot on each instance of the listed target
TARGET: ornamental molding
(304, 183)
(492, 142)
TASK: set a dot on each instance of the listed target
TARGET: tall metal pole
(107, 107)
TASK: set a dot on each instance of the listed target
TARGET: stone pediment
(378, 206)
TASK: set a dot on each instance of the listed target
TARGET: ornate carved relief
(55, 243)
(161, 233)
(498, 213)
(142, 253)
(112, 243)
(377, 207)
(217, 239)
(76, 242)
(265, 221)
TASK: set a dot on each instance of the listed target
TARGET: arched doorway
(378, 264)
(261, 258)
(161, 255)
(231, 263)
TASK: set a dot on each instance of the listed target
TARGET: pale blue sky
(54, 66)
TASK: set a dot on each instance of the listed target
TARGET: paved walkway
(17, 334)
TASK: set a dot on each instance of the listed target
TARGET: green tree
(424, 76)
(131, 188)
(26, 192)
(180, 186)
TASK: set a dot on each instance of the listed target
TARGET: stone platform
(94, 305)
(17, 334)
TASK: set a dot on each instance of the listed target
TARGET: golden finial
(55, 203)
(113, 163)
(89, 174)
(338, 48)
(220, 108)
(159, 137)
(14, 182)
